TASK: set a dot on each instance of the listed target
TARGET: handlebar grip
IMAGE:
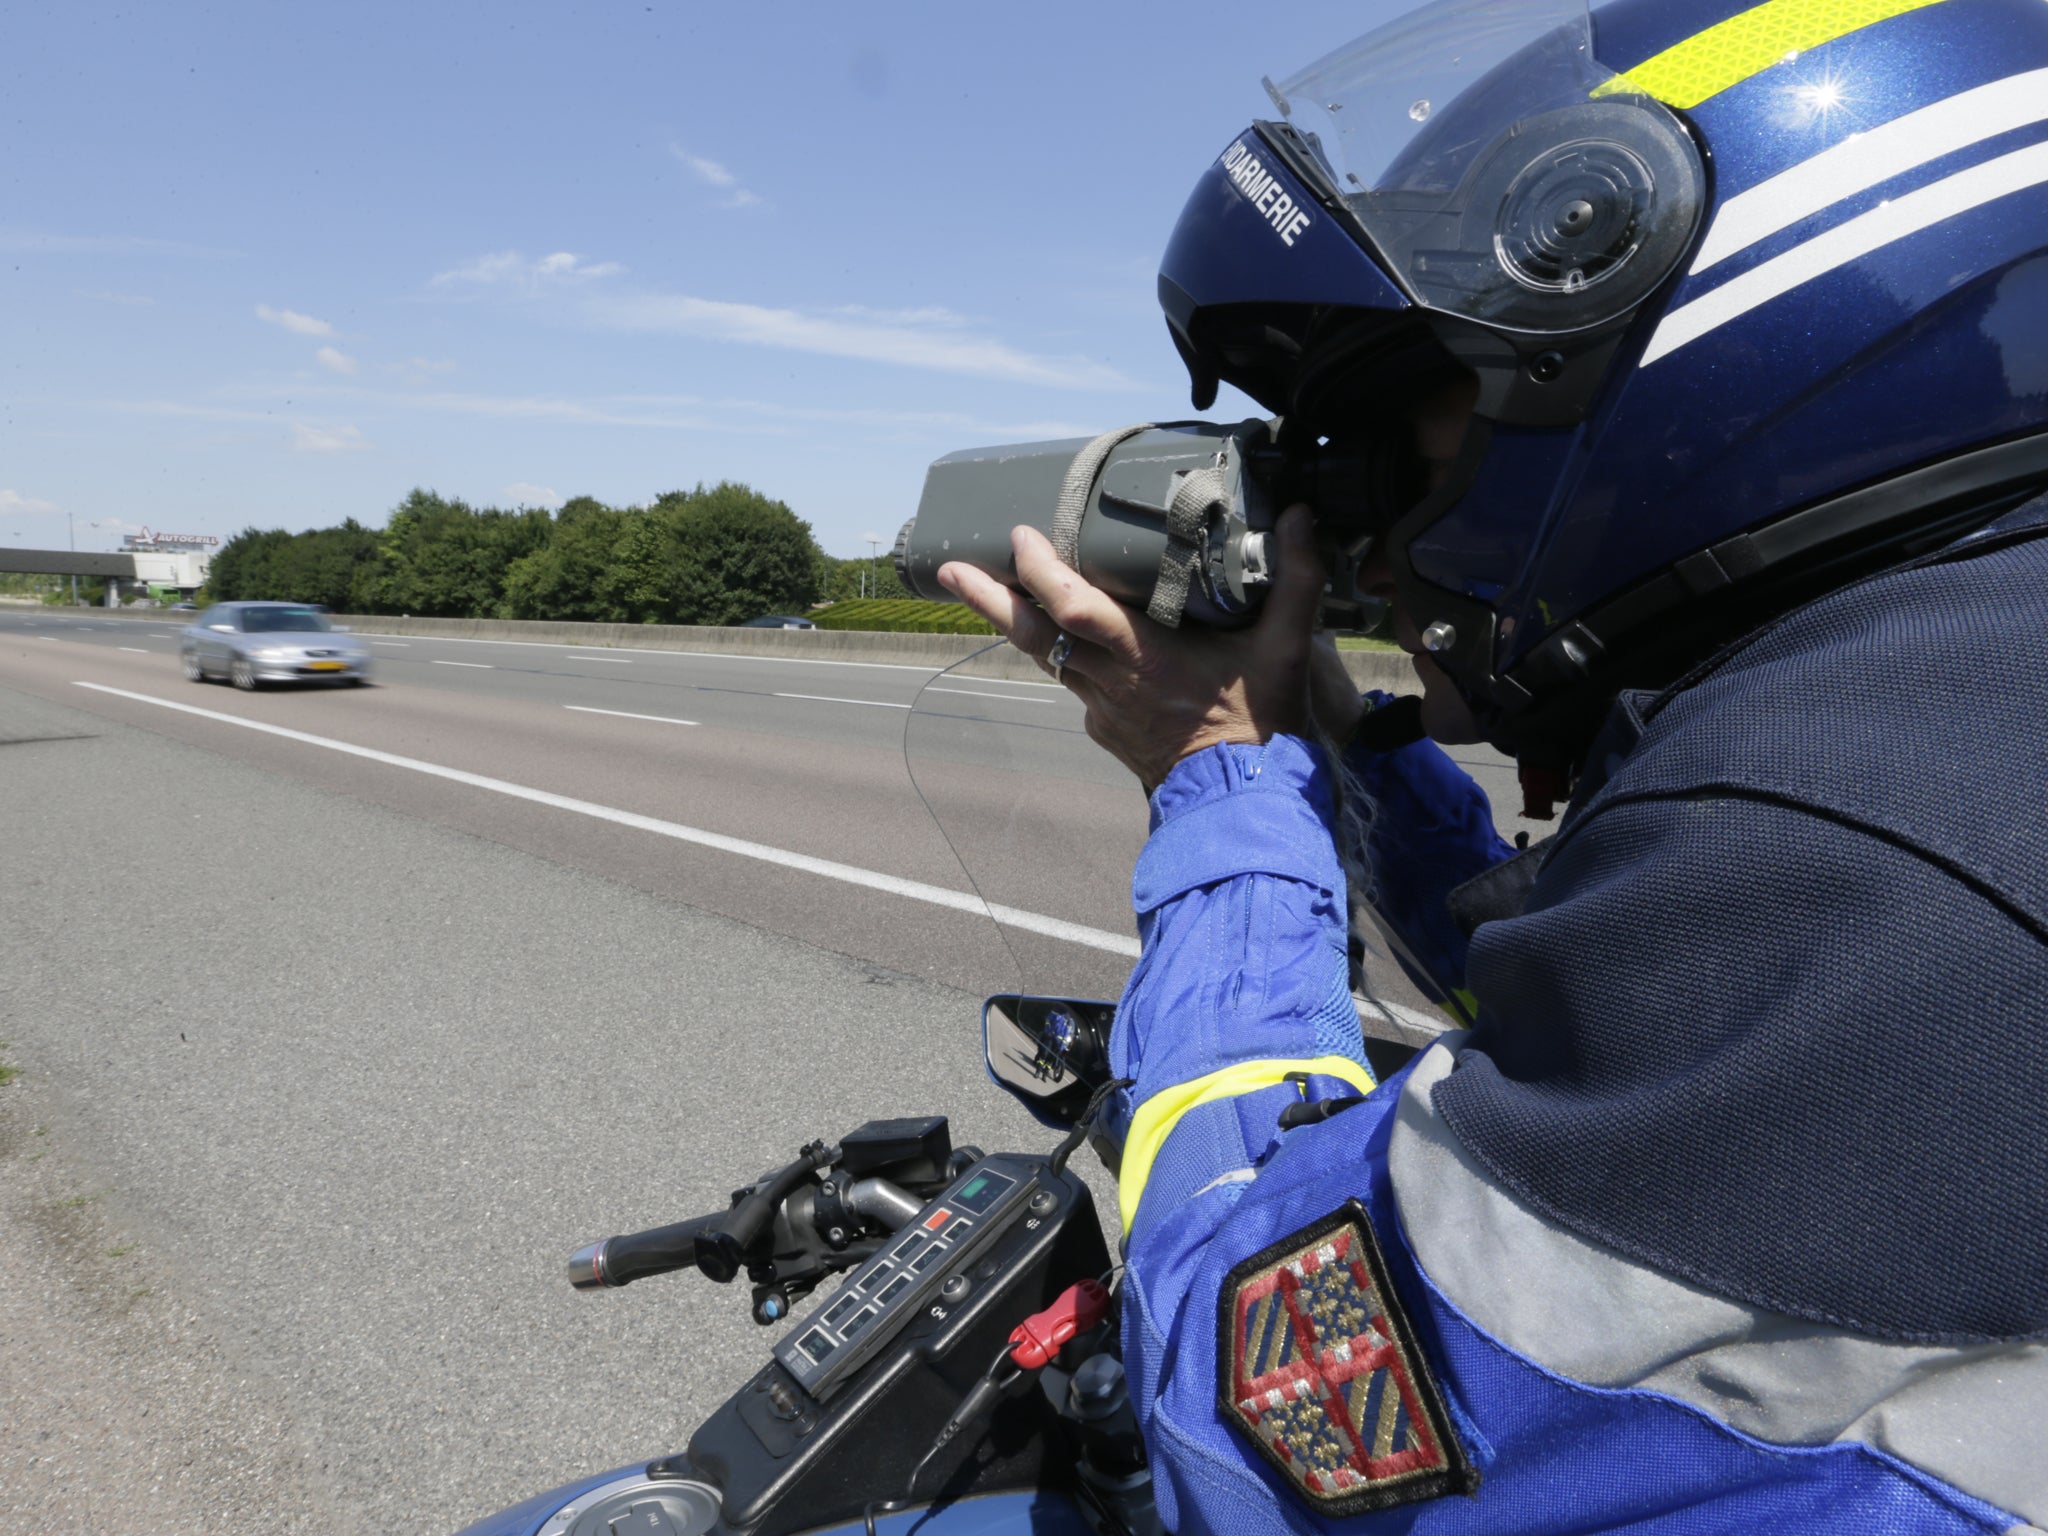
(620, 1261)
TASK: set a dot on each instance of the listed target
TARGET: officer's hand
(1156, 695)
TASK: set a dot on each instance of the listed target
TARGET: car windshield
(263, 621)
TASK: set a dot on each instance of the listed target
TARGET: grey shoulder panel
(1970, 1416)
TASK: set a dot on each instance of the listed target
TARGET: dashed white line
(976, 693)
(138, 650)
(616, 660)
(820, 698)
(400, 644)
(792, 661)
(46, 637)
(850, 874)
(624, 714)
(481, 666)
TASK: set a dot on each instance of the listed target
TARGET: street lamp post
(874, 543)
(72, 525)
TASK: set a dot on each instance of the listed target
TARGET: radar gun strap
(1074, 492)
(1187, 537)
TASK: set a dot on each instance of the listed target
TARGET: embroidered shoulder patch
(1321, 1371)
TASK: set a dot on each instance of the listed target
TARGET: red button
(939, 1218)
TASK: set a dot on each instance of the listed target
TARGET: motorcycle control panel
(922, 1265)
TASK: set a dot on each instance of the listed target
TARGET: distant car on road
(250, 644)
(778, 621)
(184, 608)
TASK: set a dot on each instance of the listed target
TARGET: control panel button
(1044, 1203)
(836, 1313)
(937, 1219)
(875, 1277)
(958, 1230)
(816, 1345)
(956, 1288)
(929, 1257)
(894, 1289)
(857, 1324)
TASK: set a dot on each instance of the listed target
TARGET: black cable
(1085, 1124)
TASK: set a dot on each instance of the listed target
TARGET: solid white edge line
(623, 714)
(794, 661)
(1847, 242)
(481, 666)
(822, 698)
(849, 874)
(624, 661)
(1877, 154)
(400, 644)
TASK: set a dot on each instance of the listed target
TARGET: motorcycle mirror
(1049, 1053)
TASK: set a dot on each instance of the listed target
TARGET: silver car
(250, 644)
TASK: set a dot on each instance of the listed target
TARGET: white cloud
(509, 269)
(942, 349)
(311, 439)
(14, 237)
(423, 367)
(713, 174)
(521, 494)
(293, 321)
(928, 315)
(335, 360)
(13, 501)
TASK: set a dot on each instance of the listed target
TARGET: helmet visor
(1495, 169)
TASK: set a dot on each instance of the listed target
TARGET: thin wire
(909, 767)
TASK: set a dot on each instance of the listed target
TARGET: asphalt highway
(342, 1015)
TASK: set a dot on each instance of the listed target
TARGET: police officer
(1720, 339)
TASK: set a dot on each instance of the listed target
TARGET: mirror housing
(1050, 1054)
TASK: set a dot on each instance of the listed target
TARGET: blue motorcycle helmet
(1756, 302)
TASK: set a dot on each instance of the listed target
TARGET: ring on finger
(1061, 653)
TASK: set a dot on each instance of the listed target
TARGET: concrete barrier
(1370, 669)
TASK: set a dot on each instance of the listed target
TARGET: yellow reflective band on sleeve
(1730, 52)
(1158, 1115)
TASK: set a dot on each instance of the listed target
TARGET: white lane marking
(619, 660)
(481, 666)
(977, 693)
(1864, 159)
(820, 698)
(623, 714)
(1847, 242)
(794, 661)
(46, 637)
(850, 874)
(162, 634)
(400, 644)
(138, 650)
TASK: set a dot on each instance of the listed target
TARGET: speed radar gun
(1175, 520)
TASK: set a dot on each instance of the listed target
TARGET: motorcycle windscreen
(1043, 824)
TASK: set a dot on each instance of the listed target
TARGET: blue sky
(278, 264)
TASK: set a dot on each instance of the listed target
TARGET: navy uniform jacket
(1728, 1215)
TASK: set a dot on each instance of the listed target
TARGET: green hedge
(903, 616)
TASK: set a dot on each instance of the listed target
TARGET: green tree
(734, 554)
(601, 564)
(850, 580)
(444, 558)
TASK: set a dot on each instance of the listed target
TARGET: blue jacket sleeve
(1243, 922)
(1432, 829)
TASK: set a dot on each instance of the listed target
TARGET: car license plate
(327, 666)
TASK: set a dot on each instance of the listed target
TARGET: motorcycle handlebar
(621, 1260)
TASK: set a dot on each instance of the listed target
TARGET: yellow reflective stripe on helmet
(1728, 53)
(1158, 1115)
